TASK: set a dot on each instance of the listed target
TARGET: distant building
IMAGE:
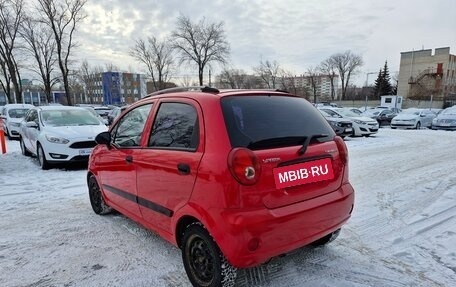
(422, 74)
(115, 88)
(323, 85)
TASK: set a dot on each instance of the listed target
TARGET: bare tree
(200, 43)
(110, 67)
(287, 82)
(346, 64)
(268, 72)
(62, 18)
(234, 79)
(11, 17)
(88, 76)
(158, 58)
(5, 80)
(328, 67)
(314, 81)
(41, 45)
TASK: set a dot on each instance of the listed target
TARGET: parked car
(356, 111)
(394, 109)
(59, 134)
(114, 113)
(94, 112)
(445, 120)
(326, 104)
(12, 115)
(342, 127)
(362, 126)
(232, 177)
(413, 119)
(382, 116)
(103, 111)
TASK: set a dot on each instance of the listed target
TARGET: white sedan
(362, 125)
(413, 119)
(59, 134)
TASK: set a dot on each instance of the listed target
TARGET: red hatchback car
(231, 177)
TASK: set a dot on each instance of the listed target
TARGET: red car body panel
(250, 224)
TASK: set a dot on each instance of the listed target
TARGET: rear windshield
(272, 121)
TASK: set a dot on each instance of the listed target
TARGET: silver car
(446, 120)
(413, 119)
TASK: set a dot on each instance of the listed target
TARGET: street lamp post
(367, 82)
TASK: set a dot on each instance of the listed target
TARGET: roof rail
(204, 89)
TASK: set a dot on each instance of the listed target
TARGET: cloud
(297, 34)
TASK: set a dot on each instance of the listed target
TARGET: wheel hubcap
(94, 193)
(201, 260)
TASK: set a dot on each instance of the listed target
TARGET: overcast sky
(296, 34)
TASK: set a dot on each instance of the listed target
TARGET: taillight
(342, 147)
(244, 166)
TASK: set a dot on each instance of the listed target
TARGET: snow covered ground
(402, 232)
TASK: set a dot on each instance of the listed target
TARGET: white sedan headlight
(57, 140)
(360, 122)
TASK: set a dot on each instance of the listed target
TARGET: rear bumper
(250, 238)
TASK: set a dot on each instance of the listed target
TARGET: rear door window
(175, 127)
(273, 121)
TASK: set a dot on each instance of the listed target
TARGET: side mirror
(103, 138)
(422, 115)
(31, 125)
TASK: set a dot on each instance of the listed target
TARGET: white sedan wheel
(42, 158)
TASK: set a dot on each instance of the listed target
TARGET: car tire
(8, 135)
(326, 239)
(203, 261)
(418, 125)
(97, 201)
(42, 158)
(24, 150)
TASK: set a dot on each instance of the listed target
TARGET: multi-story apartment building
(115, 88)
(322, 84)
(423, 74)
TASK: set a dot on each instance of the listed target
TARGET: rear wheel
(203, 261)
(326, 239)
(97, 202)
(42, 158)
(23, 148)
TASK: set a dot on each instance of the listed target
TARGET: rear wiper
(303, 149)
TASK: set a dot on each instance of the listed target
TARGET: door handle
(183, 168)
(129, 159)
